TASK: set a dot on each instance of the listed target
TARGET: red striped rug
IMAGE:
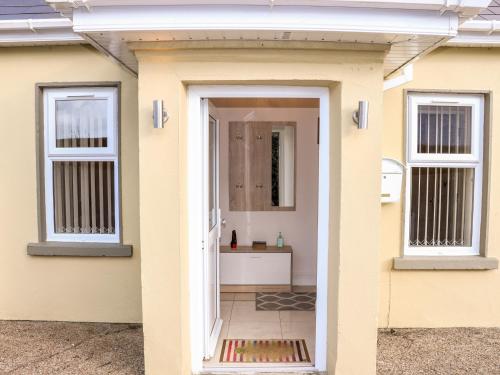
(264, 351)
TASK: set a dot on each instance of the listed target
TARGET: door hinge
(202, 245)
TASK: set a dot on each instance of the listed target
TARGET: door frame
(195, 231)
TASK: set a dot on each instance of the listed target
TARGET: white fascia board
(20, 38)
(309, 19)
(37, 31)
(474, 40)
(442, 5)
(484, 26)
(36, 24)
(405, 77)
(477, 33)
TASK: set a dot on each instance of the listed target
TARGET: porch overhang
(410, 28)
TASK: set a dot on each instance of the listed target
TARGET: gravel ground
(48, 348)
(447, 351)
(44, 348)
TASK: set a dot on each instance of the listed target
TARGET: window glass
(84, 197)
(444, 129)
(212, 172)
(81, 164)
(442, 202)
(81, 123)
(444, 174)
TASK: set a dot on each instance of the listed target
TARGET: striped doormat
(264, 351)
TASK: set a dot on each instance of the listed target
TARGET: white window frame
(53, 153)
(473, 160)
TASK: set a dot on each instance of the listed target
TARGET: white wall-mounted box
(392, 180)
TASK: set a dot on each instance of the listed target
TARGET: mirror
(283, 165)
(262, 165)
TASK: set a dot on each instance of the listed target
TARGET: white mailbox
(392, 180)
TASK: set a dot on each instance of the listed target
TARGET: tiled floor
(242, 321)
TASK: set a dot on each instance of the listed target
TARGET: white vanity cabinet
(248, 270)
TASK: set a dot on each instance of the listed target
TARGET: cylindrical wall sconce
(160, 116)
(360, 117)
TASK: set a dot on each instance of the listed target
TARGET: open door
(213, 323)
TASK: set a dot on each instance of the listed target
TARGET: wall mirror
(283, 165)
(262, 165)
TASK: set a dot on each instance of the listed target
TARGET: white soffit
(408, 32)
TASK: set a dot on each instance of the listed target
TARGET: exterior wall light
(160, 116)
(360, 117)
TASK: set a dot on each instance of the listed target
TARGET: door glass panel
(212, 172)
(81, 123)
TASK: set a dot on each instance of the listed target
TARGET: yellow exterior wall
(441, 298)
(355, 155)
(60, 288)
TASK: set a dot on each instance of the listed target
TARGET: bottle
(280, 242)
(234, 242)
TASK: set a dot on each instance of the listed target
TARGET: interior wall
(299, 227)
(61, 288)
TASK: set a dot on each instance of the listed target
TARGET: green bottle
(280, 242)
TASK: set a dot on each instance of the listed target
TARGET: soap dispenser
(280, 242)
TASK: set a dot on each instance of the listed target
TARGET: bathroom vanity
(246, 269)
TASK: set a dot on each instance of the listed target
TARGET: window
(444, 176)
(81, 164)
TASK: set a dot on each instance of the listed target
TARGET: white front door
(213, 322)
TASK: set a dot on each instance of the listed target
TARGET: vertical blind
(442, 198)
(84, 197)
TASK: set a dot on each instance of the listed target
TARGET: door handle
(223, 222)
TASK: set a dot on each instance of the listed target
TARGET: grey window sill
(445, 263)
(79, 249)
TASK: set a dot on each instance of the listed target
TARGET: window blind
(84, 197)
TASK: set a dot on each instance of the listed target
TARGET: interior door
(213, 322)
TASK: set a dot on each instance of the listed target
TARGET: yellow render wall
(353, 277)
(60, 288)
(441, 298)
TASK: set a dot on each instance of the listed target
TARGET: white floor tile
(244, 311)
(244, 305)
(226, 308)
(298, 316)
(244, 296)
(298, 330)
(227, 296)
(254, 330)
